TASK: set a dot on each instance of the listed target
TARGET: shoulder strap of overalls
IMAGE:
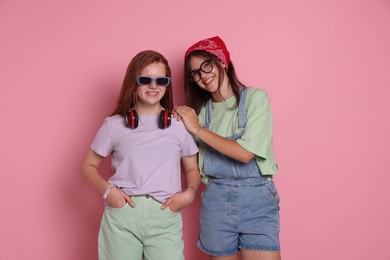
(207, 114)
(241, 110)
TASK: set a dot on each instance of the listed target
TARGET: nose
(153, 84)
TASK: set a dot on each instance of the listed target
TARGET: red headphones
(164, 120)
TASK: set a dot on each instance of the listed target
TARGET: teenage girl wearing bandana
(143, 197)
(233, 127)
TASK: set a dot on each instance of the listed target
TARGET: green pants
(144, 231)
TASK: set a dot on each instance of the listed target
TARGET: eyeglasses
(160, 81)
(206, 67)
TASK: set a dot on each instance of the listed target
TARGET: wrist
(192, 189)
(198, 131)
(107, 191)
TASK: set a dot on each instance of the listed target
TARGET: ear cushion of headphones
(163, 122)
(165, 119)
(132, 119)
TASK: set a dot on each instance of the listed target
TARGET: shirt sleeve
(189, 145)
(257, 135)
(102, 144)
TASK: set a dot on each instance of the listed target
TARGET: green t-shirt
(257, 134)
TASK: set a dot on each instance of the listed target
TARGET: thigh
(117, 235)
(163, 237)
(232, 257)
(259, 218)
(259, 255)
(218, 220)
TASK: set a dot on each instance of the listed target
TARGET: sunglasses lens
(162, 81)
(144, 80)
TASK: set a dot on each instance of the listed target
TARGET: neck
(223, 93)
(147, 110)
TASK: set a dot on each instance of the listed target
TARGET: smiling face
(207, 81)
(149, 96)
(210, 75)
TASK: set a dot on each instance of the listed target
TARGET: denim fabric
(239, 215)
(240, 207)
(217, 165)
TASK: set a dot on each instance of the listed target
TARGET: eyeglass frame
(153, 79)
(194, 72)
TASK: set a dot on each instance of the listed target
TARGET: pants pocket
(270, 188)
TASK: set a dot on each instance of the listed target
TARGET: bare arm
(89, 169)
(191, 172)
(229, 148)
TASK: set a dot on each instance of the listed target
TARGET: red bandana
(213, 45)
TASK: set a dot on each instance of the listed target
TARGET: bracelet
(195, 190)
(197, 132)
(105, 194)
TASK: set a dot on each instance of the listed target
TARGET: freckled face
(151, 95)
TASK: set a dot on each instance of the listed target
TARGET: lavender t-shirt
(145, 160)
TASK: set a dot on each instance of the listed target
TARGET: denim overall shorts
(240, 207)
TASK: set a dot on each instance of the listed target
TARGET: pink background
(325, 65)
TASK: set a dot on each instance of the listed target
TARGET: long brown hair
(128, 96)
(197, 97)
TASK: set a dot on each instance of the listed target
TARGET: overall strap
(242, 109)
(208, 114)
